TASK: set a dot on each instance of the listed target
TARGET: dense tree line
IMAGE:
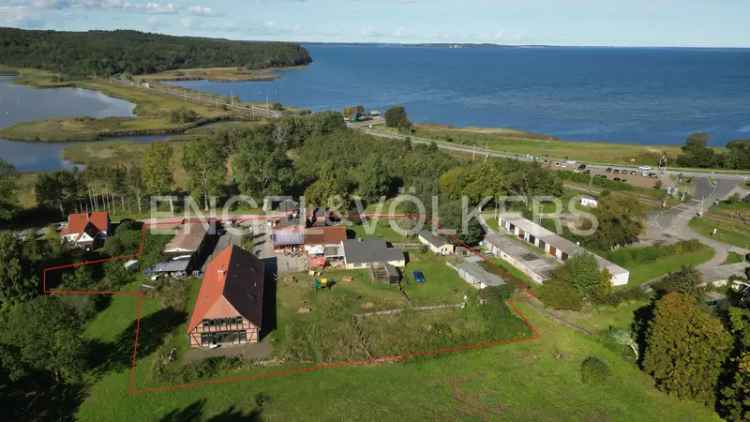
(106, 53)
(694, 351)
(696, 153)
(8, 190)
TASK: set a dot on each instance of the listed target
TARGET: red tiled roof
(78, 223)
(234, 278)
(330, 235)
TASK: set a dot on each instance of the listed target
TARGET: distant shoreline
(539, 46)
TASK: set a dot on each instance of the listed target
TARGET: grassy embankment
(732, 221)
(522, 143)
(153, 115)
(153, 112)
(214, 74)
(36, 78)
(650, 262)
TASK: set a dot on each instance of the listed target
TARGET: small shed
(383, 272)
(589, 201)
(436, 243)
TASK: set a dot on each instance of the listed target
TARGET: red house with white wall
(229, 307)
(84, 230)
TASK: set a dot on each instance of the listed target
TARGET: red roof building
(325, 236)
(229, 307)
(86, 228)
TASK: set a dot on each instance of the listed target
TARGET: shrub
(183, 115)
(560, 295)
(594, 371)
(395, 117)
(626, 295)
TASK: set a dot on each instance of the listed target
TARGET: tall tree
(134, 183)
(735, 396)
(373, 179)
(695, 153)
(261, 168)
(331, 189)
(739, 154)
(620, 222)
(396, 117)
(451, 217)
(583, 273)
(686, 281)
(59, 190)
(205, 163)
(685, 348)
(18, 281)
(43, 335)
(157, 170)
(8, 190)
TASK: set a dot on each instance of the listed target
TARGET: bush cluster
(594, 371)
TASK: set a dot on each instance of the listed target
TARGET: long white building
(552, 244)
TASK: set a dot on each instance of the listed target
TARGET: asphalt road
(528, 157)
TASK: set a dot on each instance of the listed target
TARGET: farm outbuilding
(385, 273)
(437, 244)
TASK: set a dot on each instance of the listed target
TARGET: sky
(682, 23)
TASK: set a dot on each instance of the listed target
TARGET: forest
(107, 53)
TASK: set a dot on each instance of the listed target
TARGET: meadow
(537, 380)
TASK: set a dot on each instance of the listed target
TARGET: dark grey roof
(369, 251)
(243, 287)
(432, 239)
(177, 266)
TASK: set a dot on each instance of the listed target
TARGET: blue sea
(618, 95)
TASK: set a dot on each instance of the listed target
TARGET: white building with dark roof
(437, 244)
(557, 246)
(364, 253)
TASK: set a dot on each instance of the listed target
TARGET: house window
(222, 322)
(224, 337)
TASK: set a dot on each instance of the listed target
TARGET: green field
(727, 232)
(648, 263)
(516, 142)
(536, 380)
(733, 258)
(382, 230)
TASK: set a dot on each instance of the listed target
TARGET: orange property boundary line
(140, 297)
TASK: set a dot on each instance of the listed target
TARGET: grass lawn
(727, 232)
(381, 229)
(650, 262)
(538, 380)
(326, 330)
(734, 258)
(523, 143)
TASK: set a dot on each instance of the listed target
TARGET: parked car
(608, 170)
